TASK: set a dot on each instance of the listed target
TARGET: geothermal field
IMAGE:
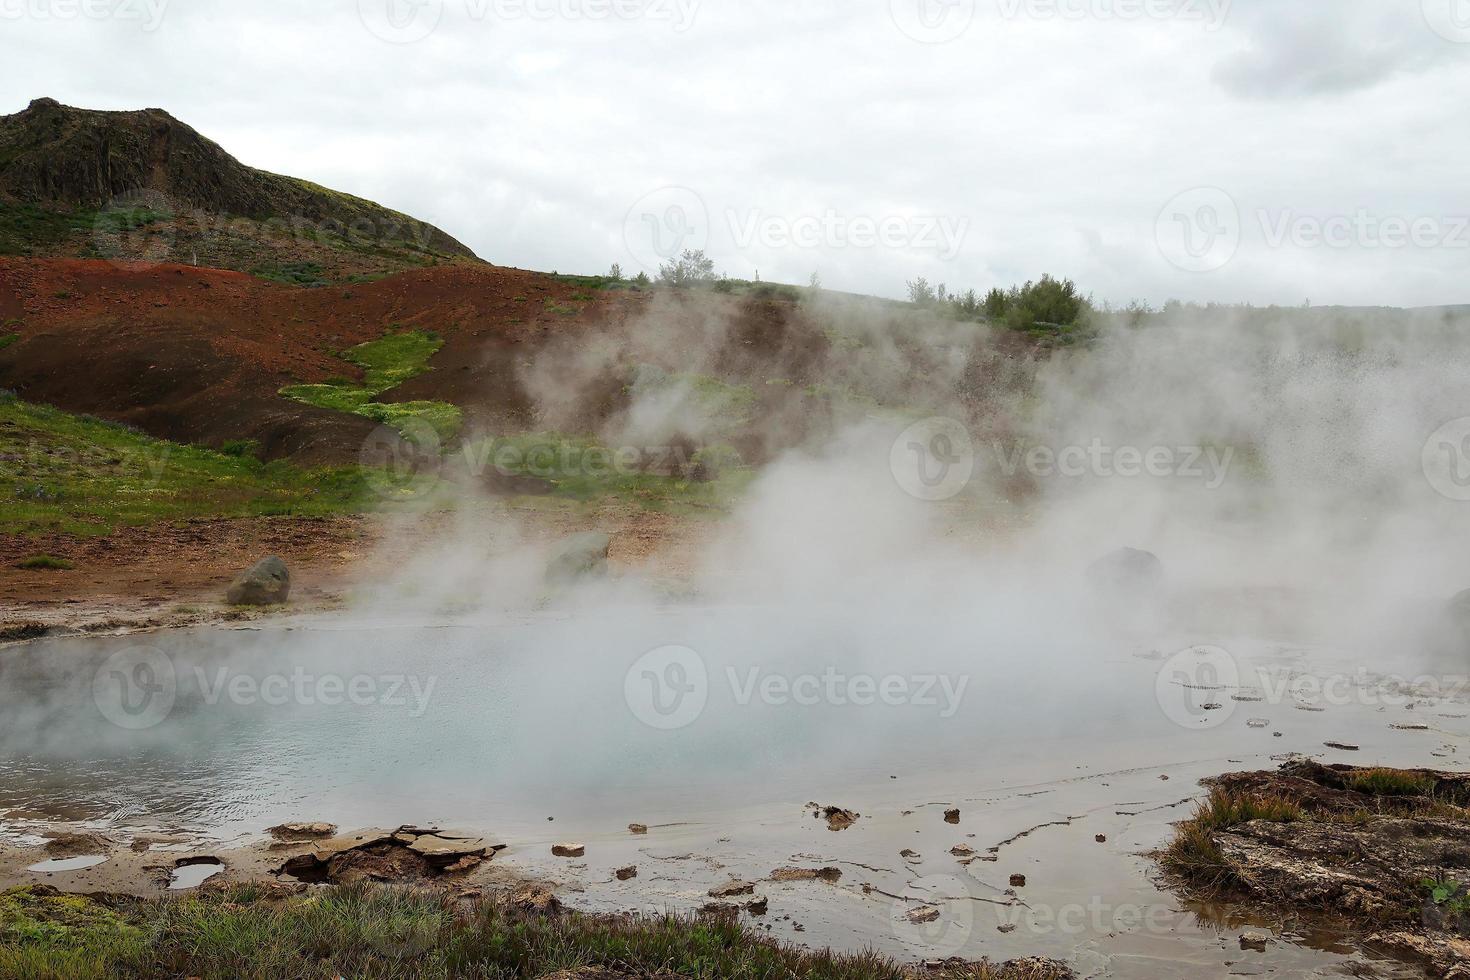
(999, 514)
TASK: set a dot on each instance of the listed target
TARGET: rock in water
(266, 583)
(580, 556)
(1449, 634)
(1126, 572)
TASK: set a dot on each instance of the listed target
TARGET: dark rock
(578, 557)
(1126, 573)
(266, 583)
(732, 889)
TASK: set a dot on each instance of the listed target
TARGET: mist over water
(837, 624)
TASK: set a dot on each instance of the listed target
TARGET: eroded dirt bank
(1383, 850)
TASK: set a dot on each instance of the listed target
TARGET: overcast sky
(1254, 150)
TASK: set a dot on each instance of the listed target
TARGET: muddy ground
(174, 574)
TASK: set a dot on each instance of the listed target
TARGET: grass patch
(722, 408)
(7, 339)
(1195, 855)
(580, 468)
(308, 275)
(79, 475)
(364, 932)
(1391, 782)
(25, 228)
(45, 563)
(386, 364)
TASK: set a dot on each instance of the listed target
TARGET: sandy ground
(175, 574)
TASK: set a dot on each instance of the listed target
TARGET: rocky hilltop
(56, 160)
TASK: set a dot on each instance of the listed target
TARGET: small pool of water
(63, 865)
(193, 874)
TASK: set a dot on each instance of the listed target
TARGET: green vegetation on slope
(81, 475)
(386, 364)
(374, 932)
(581, 468)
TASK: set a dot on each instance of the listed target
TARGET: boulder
(1126, 572)
(266, 583)
(578, 557)
(1450, 634)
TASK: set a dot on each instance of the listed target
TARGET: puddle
(194, 872)
(60, 865)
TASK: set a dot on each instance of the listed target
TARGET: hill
(143, 186)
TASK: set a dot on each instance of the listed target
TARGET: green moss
(386, 364)
(7, 339)
(580, 468)
(84, 476)
(47, 935)
(45, 563)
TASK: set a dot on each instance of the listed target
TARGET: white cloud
(1057, 137)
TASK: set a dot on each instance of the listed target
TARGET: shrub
(690, 269)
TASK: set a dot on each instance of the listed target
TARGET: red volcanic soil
(199, 355)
